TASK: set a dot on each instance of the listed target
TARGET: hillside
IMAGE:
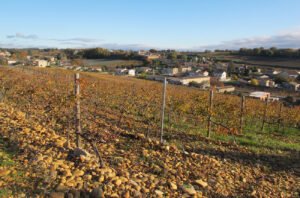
(120, 117)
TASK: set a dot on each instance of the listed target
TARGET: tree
(77, 62)
(172, 55)
(153, 50)
(183, 57)
(254, 82)
(231, 68)
(3, 61)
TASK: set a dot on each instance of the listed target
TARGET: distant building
(121, 71)
(260, 95)
(185, 69)
(41, 63)
(170, 71)
(202, 72)
(148, 55)
(266, 83)
(220, 74)
(188, 80)
(124, 71)
(11, 62)
(5, 54)
(131, 72)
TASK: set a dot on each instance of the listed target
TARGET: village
(195, 71)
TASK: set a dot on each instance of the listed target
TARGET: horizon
(136, 25)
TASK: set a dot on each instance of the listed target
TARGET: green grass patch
(271, 139)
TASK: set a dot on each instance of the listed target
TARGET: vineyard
(253, 148)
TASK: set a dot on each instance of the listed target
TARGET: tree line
(271, 52)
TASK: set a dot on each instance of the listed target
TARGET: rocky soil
(135, 166)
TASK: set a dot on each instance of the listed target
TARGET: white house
(188, 80)
(11, 62)
(220, 74)
(260, 95)
(202, 72)
(121, 71)
(131, 72)
(266, 82)
(42, 63)
(185, 69)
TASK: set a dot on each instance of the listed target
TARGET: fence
(114, 105)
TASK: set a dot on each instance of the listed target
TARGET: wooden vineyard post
(211, 95)
(77, 110)
(279, 117)
(242, 113)
(265, 114)
(163, 110)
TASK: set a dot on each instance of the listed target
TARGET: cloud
(282, 40)
(82, 40)
(115, 46)
(22, 36)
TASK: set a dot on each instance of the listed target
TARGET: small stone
(126, 195)
(189, 189)
(4, 172)
(78, 173)
(201, 183)
(159, 193)
(118, 182)
(57, 195)
(173, 186)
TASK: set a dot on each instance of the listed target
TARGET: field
(120, 117)
(111, 64)
(287, 63)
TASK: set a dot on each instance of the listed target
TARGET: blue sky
(133, 24)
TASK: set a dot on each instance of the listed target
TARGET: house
(188, 80)
(148, 55)
(131, 72)
(170, 71)
(225, 89)
(264, 77)
(124, 71)
(185, 69)
(121, 71)
(41, 63)
(266, 82)
(220, 74)
(11, 62)
(260, 95)
(5, 54)
(202, 72)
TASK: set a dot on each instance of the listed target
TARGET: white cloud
(283, 40)
(22, 36)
